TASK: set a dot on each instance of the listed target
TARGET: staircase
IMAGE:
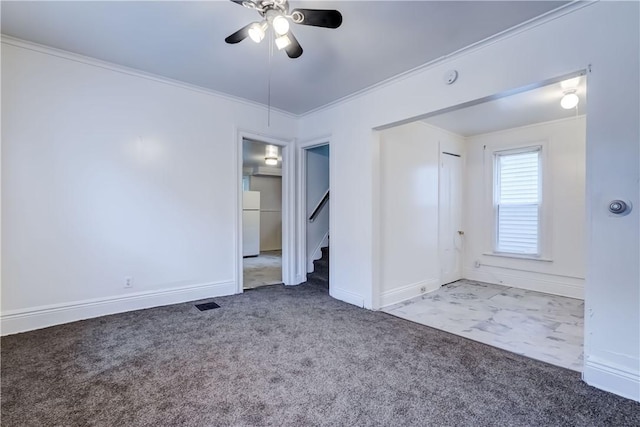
(320, 275)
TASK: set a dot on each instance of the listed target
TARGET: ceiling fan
(275, 14)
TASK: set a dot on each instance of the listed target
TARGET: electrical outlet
(128, 282)
(423, 289)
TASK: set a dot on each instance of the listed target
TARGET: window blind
(517, 202)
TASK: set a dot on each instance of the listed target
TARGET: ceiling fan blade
(246, 3)
(319, 17)
(294, 49)
(239, 35)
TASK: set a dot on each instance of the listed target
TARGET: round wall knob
(618, 207)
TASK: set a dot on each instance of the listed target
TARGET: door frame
(288, 204)
(301, 206)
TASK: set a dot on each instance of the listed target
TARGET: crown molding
(70, 56)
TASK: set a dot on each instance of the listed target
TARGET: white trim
(517, 256)
(289, 276)
(301, 203)
(317, 252)
(547, 283)
(614, 379)
(376, 220)
(15, 321)
(346, 296)
(409, 291)
(48, 50)
(545, 220)
(479, 45)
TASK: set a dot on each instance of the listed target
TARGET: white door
(450, 213)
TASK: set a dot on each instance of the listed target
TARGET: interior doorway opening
(262, 219)
(317, 213)
(314, 211)
(491, 193)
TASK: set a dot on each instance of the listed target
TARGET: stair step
(317, 278)
(321, 264)
(320, 273)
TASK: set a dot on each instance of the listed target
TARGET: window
(517, 200)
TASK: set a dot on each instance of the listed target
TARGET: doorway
(265, 205)
(518, 231)
(261, 214)
(314, 212)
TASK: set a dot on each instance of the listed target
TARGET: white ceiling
(185, 41)
(526, 108)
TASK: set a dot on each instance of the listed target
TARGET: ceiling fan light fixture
(257, 31)
(276, 15)
(271, 155)
(283, 41)
(280, 25)
(569, 100)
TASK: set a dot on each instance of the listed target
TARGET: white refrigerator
(250, 223)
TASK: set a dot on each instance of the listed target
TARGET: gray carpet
(283, 356)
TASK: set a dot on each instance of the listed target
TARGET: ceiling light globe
(280, 25)
(271, 161)
(569, 101)
(256, 32)
(282, 42)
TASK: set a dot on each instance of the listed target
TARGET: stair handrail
(319, 206)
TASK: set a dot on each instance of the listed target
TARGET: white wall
(317, 183)
(561, 268)
(107, 174)
(270, 188)
(409, 167)
(602, 36)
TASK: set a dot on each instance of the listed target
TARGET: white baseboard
(15, 321)
(346, 296)
(317, 252)
(556, 285)
(407, 292)
(613, 379)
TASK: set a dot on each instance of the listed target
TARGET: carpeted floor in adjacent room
(283, 356)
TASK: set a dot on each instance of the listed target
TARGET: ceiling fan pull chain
(269, 83)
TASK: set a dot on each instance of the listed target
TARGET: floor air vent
(207, 306)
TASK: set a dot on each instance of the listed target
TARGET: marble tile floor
(537, 325)
(263, 270)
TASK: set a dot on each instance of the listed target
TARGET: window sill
(515, 256)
